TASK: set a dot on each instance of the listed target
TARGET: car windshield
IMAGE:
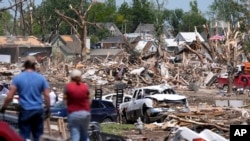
(155, 91)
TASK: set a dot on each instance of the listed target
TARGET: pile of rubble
(215, 119)
(148, 72)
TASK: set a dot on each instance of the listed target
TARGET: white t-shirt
(52, 96)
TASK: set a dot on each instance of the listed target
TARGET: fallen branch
(225, 128)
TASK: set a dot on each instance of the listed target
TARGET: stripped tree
(81, 23)
(226, 51)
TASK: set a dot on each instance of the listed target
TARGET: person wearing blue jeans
(31, 121)
(30, 86)
(78, 128)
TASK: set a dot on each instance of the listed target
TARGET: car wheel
(107, 120)
(145, 117)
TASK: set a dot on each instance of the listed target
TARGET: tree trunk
(232, 64)
(230, 82)
(83, 42)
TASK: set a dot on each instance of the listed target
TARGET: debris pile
(149, 72)
(216, 119)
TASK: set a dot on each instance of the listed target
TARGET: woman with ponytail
(77, 99)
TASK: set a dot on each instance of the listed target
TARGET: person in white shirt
(3, 90)
(53, 96)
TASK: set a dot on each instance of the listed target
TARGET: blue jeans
(31, 122)
(78, 125)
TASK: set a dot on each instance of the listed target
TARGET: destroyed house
(17, 47)
(105, 53)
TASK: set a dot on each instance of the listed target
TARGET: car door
(135, 107)
(98, 111)
(242, 82)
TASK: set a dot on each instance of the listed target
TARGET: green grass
(116, 128)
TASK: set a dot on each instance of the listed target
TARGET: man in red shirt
(76, 96)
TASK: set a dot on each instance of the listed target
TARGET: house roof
(28, 41)
(102, 52)
(108, 26)
(140, 45)
(145, 28)
(171, 42)
(150, 29)
(148, 45)
(187, 37)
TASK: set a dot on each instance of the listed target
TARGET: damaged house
(68, 45)
(146, 48)
(16, 47)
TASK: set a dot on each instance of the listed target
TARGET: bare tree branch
(78, 13)
(85, 13)
(67, 20)
(193, 51)
(7, 8)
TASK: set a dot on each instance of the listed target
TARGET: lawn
(116, 128)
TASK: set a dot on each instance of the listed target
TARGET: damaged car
(152, 103)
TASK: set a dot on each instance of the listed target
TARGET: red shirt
(77, 97)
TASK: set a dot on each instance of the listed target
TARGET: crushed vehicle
(151, 102)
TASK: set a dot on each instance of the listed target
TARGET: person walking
(30, 85)
(77, 99)
(53, 96)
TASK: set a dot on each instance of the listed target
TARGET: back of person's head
(54, 88)
(76, 76)
(30, 63)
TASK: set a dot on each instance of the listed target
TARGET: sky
(170, 4)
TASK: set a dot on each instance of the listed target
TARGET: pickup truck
(240, 81)
(151, 102)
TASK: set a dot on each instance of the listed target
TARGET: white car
(150, 102)
(112, 97)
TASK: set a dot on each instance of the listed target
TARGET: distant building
(146, 48)
(144, 29)
(68, 45)
(112, 42)
(111, 27)
(187, 37)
